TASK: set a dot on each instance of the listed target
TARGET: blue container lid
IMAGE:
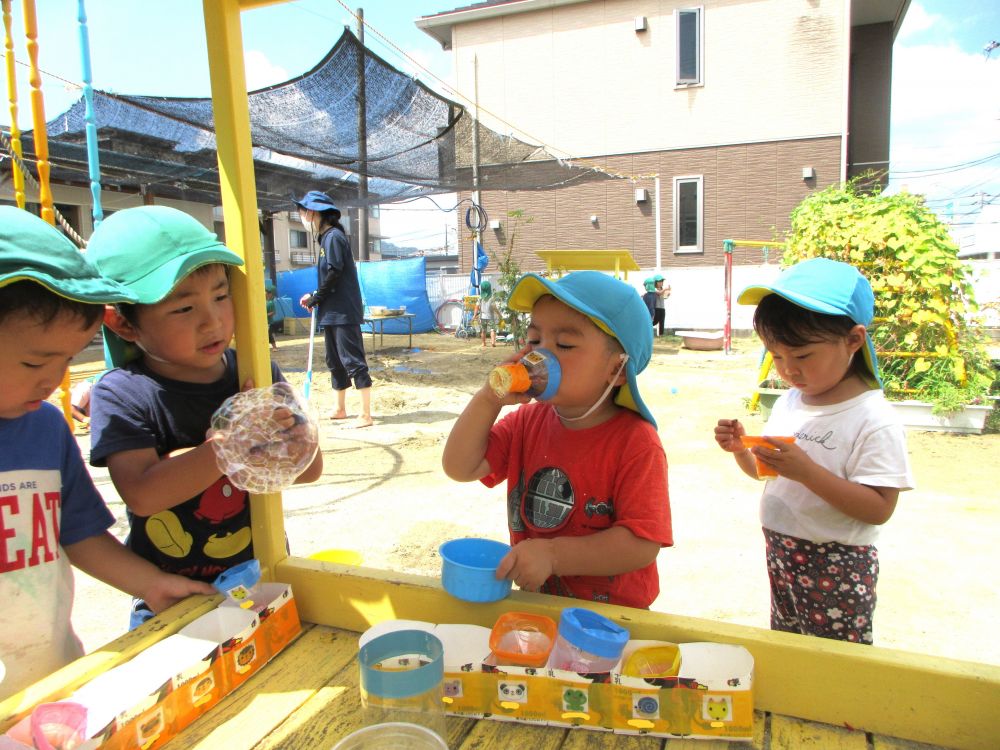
(590, 632)
(401, 683)
(245, 574)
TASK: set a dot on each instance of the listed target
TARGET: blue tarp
(386, 283)
(398, 283)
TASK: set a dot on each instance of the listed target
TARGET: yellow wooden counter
(809, 692)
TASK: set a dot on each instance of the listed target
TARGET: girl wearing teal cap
(839, 481)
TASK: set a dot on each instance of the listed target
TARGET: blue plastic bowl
(468, 569)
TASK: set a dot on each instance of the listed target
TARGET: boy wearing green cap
(587, 502)
(486, 313)
(174, 368)
(51, 515)
(840, 480)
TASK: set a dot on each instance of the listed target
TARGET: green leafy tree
(928, 350)
(510, 271)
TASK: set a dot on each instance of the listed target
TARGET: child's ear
(620, 363)
(117, 323)
(856, 337)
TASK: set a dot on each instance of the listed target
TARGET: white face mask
(603, 396)
(308, 218)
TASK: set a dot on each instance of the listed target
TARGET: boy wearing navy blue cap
(338, 304)
(51, 515)
(840, 480)
(587, 502)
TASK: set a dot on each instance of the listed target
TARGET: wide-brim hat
(33, 250)
(316, 200)
(614, 306)
(825, 286)
(150, 250)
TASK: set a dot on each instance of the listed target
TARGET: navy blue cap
(316, 200)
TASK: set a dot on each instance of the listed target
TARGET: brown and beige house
(717, 118)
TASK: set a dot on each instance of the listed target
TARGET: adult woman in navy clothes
(339, 305)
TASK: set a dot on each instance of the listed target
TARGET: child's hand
(529, 564)
(788, 459)
(728, 433)
(166, 589)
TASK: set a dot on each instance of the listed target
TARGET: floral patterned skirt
(824, 589)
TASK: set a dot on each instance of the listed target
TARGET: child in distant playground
(840, 479)
(587, 502)
(174, 368)
(51, 515)
(486, 313)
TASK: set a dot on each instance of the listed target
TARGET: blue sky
(945, 105)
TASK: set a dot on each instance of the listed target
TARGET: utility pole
(362, 145)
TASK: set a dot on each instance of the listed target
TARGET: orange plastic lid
(760, 441)
(523, 639)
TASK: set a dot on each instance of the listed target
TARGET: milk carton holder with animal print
(709, 697)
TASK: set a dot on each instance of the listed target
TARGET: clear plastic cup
(392, 736)
(401, 675)
(587, 643)
(522, 639)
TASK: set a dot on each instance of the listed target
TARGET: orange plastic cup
(523, 639)
(752, 442)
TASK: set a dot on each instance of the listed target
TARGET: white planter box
(917, 414)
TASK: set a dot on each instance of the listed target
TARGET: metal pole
(727, 333)
(93, 160)
(656, 213)
(476, 198)
(362, 144)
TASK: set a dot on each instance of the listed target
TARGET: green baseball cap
(34, 250)
(150, 250)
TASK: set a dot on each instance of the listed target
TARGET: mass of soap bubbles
(263, 438)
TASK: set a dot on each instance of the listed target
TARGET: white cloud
(261, 71)
(917, 20)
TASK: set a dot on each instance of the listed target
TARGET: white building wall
(578, 77)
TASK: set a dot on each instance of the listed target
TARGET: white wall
(579, 77)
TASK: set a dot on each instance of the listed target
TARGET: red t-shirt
(563, 482)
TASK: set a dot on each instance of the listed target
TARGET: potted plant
(768, 391)
(929, 349)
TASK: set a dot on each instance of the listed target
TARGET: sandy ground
(384, 495)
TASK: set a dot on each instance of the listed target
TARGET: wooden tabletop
(307, 698)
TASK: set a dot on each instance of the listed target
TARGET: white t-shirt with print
(859, 439)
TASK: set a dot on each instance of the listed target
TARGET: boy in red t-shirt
(587, 501)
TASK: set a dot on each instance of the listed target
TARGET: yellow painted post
(239, 205)
(41, 138)
(38, 113)
(15, 131)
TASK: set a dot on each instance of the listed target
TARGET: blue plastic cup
(468, 569)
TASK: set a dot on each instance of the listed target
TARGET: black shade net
(305, 136)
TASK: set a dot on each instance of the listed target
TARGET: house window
(688, 215)
(297, 239)
(689, 45)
